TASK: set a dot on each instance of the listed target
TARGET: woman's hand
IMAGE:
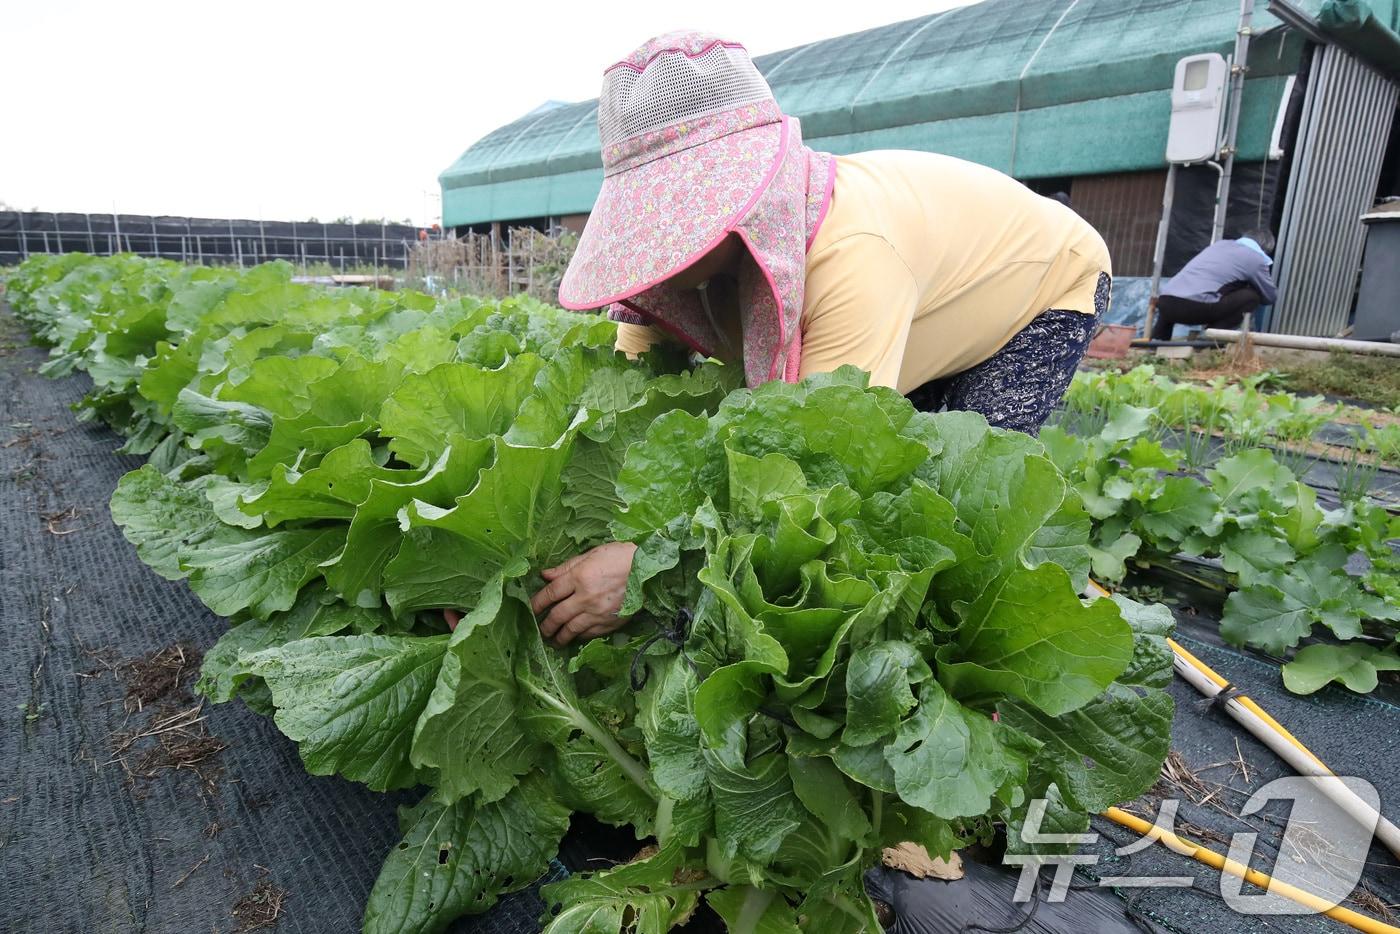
(584, 594)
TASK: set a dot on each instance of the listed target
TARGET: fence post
(58, 231)
(92, 247)
(23, 237)
(496, 255)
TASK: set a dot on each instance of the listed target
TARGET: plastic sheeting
(1355, 24)
(984, 897)
(1035, 88)
(1253, 188)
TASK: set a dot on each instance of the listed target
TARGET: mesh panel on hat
(673, 87)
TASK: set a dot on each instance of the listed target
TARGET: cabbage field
(853, 624)
(1207, 483)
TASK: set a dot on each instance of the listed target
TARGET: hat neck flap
(776, 231)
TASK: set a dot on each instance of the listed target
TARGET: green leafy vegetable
(872, 621)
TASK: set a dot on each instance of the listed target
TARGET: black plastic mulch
(1354, 735)
(86, 842)
(230, 833)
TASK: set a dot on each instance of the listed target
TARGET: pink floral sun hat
(695, 148)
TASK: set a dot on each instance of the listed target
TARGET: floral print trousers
(1017, 386)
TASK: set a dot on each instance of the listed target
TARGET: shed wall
(1123, 207)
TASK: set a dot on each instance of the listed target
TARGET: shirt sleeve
(634, 339)
(862, 299)
(1263, 280)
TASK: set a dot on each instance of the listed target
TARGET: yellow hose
(1273, 886)
(1224, 864)
(1246, 703)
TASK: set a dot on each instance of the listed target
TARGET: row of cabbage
(852, 624)
(1226, 417)
(1205, 483)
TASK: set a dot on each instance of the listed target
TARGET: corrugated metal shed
(1343, 129)
(1035, 88)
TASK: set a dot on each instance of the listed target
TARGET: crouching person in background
(1219, 286)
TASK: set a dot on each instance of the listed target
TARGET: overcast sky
(292, 109)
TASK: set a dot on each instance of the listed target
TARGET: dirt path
(126, 803)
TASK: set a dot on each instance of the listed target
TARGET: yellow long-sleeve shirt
(927, 265)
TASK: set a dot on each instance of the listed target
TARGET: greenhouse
(1037, 90)
(1069, 97)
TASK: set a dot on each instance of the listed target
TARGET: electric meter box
(1198, 107)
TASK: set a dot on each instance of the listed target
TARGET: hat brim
(654, 220)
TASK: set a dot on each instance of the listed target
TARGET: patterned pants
(1017, 386)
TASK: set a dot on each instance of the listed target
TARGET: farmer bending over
(1221, 284)
(717, 228)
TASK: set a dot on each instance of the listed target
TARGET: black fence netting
(202, 239)
(1254, 188)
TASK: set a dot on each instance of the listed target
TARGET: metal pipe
(1159, 252)
(1298, 19)
(1239, 64)
(1296, 342)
